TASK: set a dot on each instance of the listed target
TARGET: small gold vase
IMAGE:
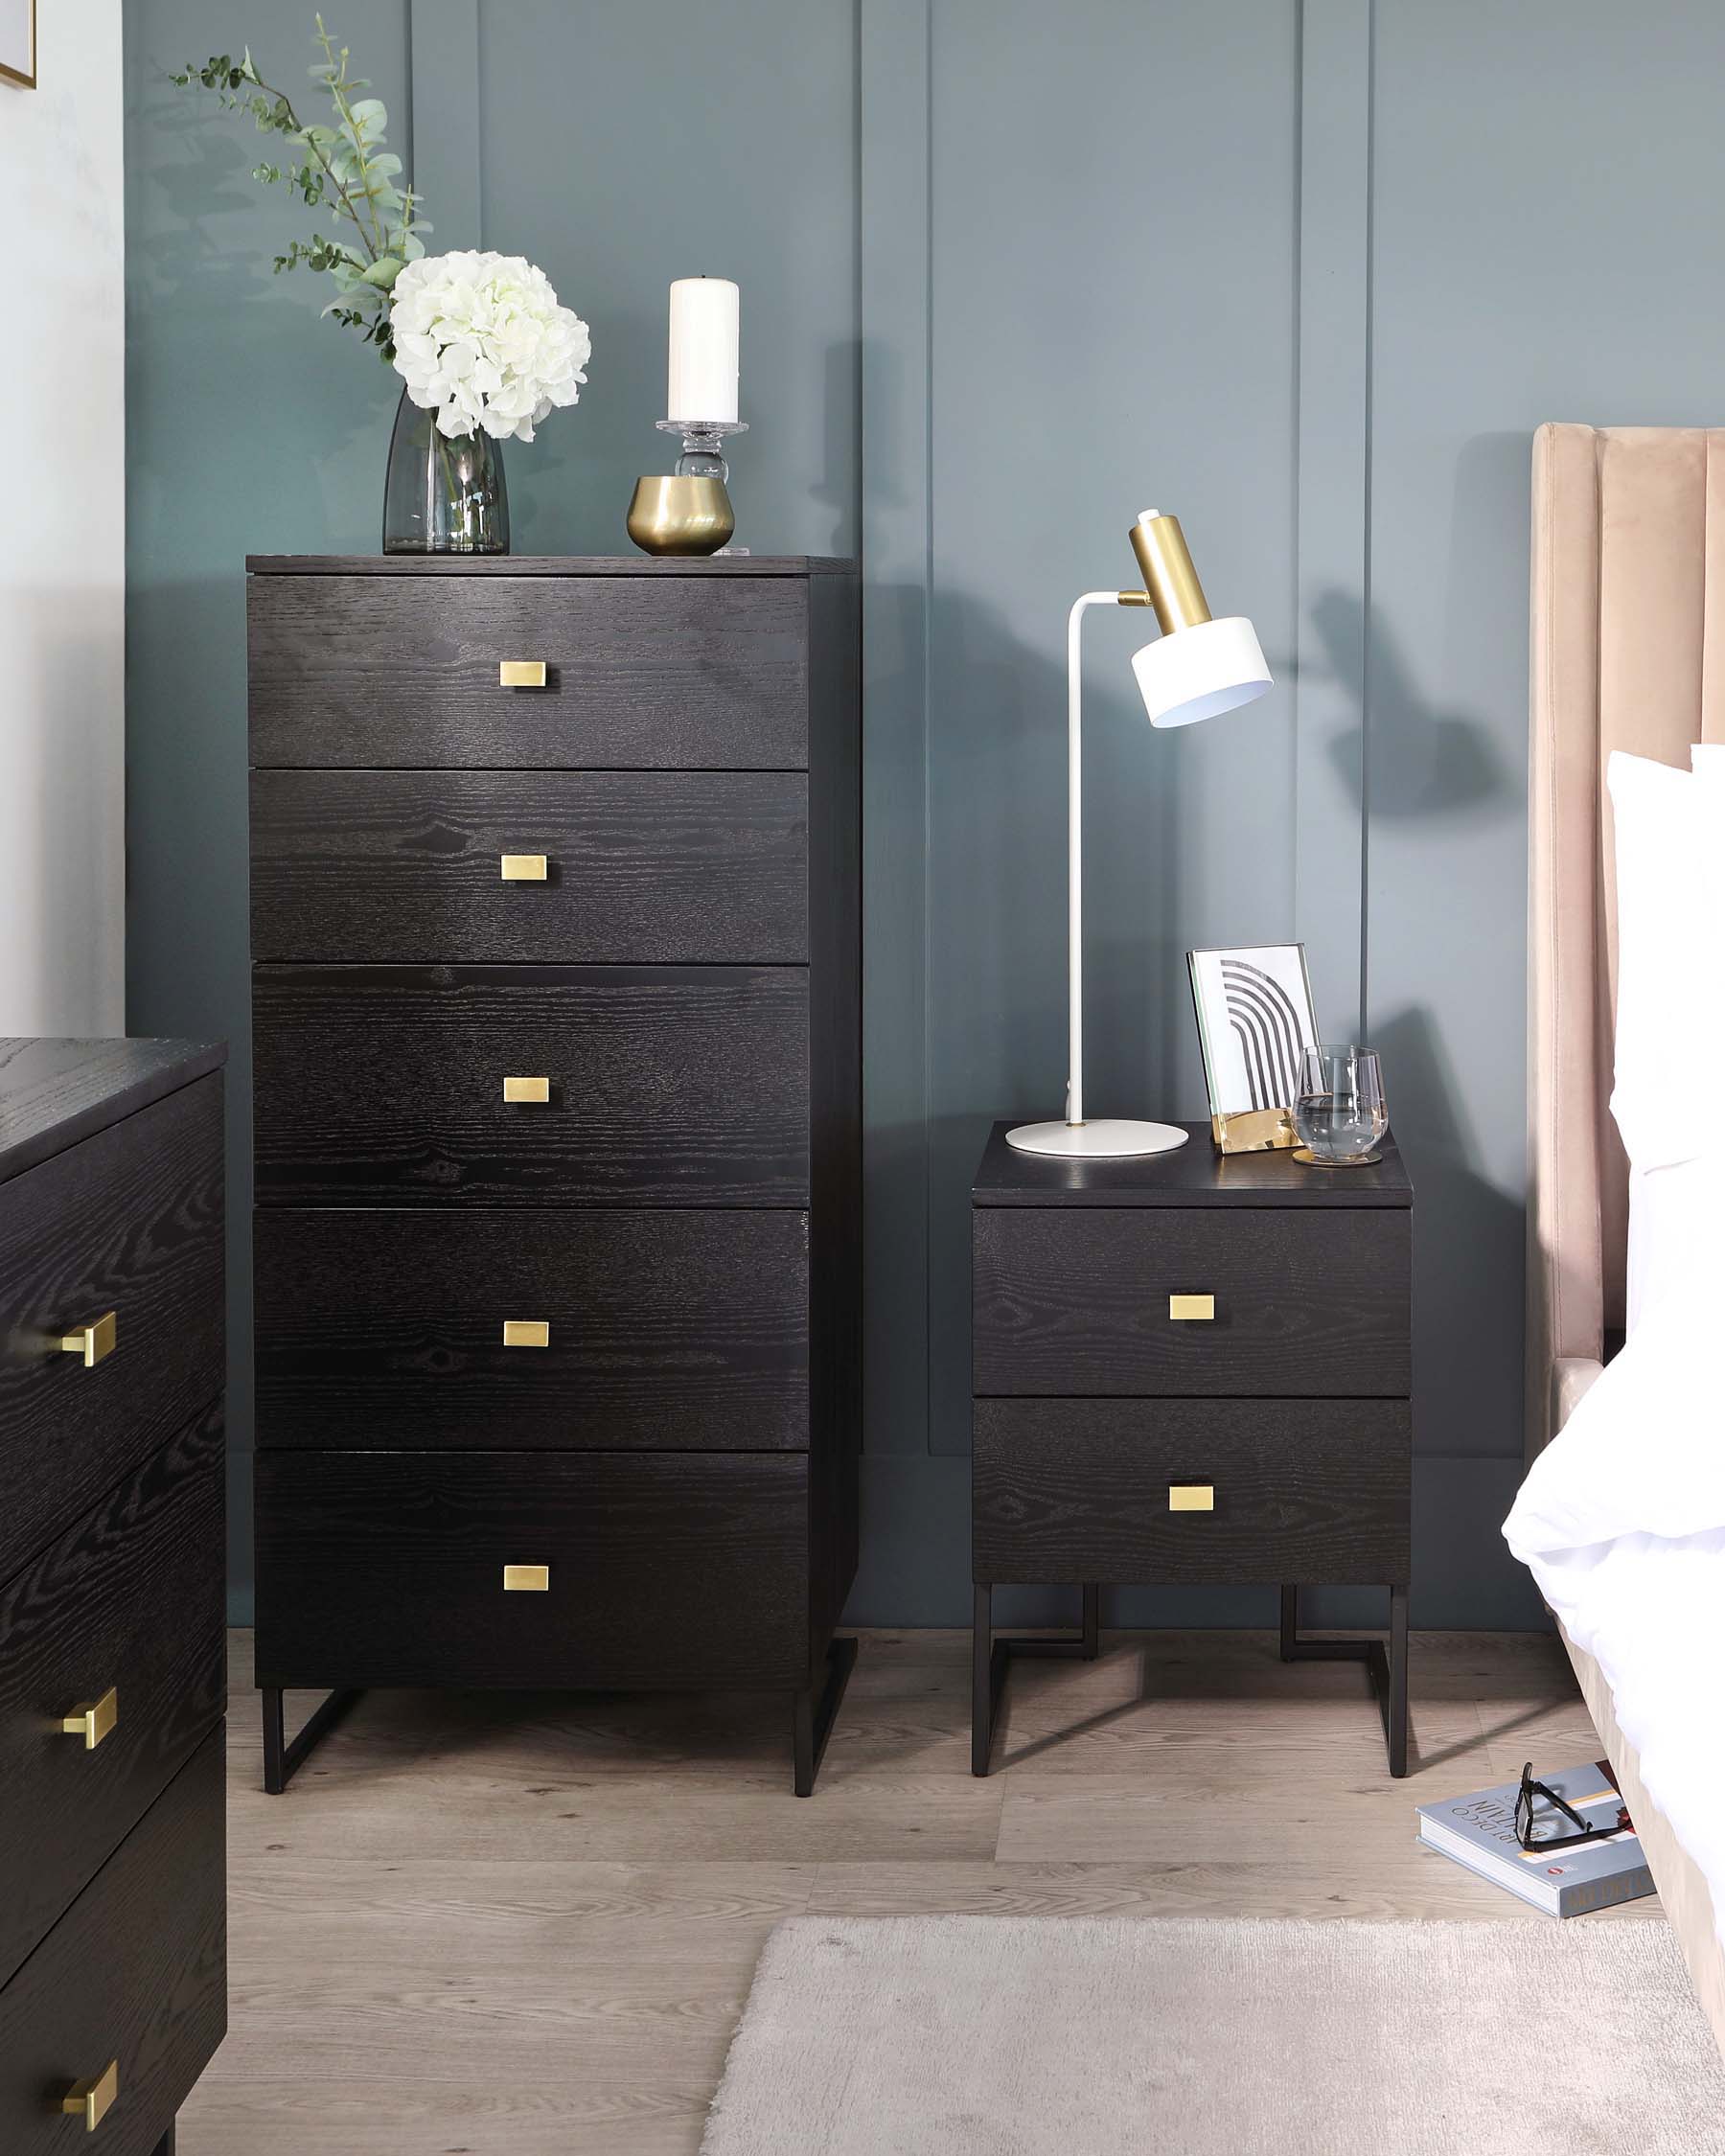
(672, 516)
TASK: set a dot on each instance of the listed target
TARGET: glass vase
(444, 494)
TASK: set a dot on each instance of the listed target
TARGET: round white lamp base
(1110, 1137)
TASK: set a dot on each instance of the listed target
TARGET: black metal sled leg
(283, 1760)
(991, 1658)
(1388, 1671)
(164, 2146)
(811, 1718)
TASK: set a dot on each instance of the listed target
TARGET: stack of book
(1479, 1831)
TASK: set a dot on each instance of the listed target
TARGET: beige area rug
(1104, 2036)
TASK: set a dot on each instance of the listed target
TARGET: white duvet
(1622, 1520)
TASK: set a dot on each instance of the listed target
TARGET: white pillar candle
(704, 350)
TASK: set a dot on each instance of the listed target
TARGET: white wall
(62, 531)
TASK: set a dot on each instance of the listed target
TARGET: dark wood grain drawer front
(625, 867)
(657, 1569)
(666, 1085)
(1188, 1491)
(1191, 1302)
(128, 1224)
(663, 1330)
(135, 1974)
(123, 1615)
(664, 674)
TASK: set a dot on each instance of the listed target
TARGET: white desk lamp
(1196, 669)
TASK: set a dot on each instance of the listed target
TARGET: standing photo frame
(18, 42)
(1254, 1011)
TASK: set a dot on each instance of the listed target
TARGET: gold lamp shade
(672, 516)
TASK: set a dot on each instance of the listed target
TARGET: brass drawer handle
(93, 2100)
(526, 1332)
(1193, 1309)
(526, 1579)
(1192, 1497)
(93, 1342)
(521, 674)
(94, 1720)
(523, 868)
(527, 1089)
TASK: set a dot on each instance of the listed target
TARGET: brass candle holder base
(681, 515)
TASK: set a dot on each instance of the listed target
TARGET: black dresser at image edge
(556, 995)
(113, 1673)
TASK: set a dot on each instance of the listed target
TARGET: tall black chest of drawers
(555, 940)
(113, 1932)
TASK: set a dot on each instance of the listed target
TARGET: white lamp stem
(1075, 848)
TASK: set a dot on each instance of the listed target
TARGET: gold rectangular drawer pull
(93, 2100)
(527, 1089)
(526, 1579)
(521, 674)
(1192, 1497)
(526, 1332)
(1193, 1309)
(94, 1720)
(93, 1341)
(523, 868)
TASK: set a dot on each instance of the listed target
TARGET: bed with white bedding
(1623, 1515)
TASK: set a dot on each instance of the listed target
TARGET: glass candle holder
(1339, 1114)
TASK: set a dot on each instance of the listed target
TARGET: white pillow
(1676, 1232)
(1671, 1003)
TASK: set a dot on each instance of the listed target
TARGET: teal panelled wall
(1308, 274)
(251, 428)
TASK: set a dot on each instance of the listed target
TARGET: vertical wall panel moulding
(445, 45)
(894, 270)
(1332, 686)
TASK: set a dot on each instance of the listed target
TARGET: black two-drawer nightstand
(1191, 1370)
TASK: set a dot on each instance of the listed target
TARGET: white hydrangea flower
(481, 341)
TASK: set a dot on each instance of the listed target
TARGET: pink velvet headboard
(1628, 652)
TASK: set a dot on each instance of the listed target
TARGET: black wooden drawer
(661, 1569)
(649, 673)
(130, 1600)
(1301, 1490)
(127, 1222)
(135, 1973)
(1083, 1300)
(668, 1330)
(630, 867)
(668, 1086)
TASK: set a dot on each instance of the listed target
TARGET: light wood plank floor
(527, 1925)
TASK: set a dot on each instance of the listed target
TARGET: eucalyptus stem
(343, 167)
(287, 104)
(346, 110)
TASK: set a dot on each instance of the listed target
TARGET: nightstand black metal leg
(164, 2146)
(991, 1658)
(1388, 1671)
(811, 1716)
(1290, 1622)
(283, 1760)
(1396, 1705)
(981, 1679)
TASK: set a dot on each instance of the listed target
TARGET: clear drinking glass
(1339, 1114)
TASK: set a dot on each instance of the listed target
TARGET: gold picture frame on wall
(18, 42)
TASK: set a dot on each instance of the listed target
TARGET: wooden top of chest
(1196, 1175)
(548, 565)
(54, 1093)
